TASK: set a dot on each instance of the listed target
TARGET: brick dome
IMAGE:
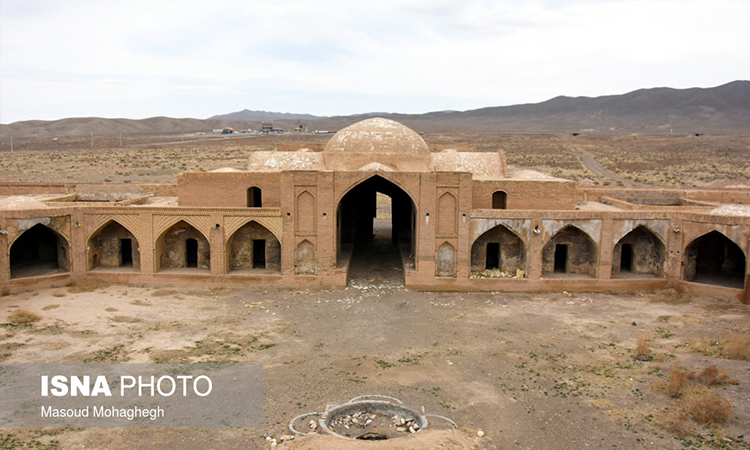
(378, 136)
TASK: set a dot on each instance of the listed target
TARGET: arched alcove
(113, 246)
(305, 258)
(370, 244)
(445, 261)
(715, 259)
(498, 248)
(253, 246)
(499, 200)
(183, 246)
(569, 251)
(254, 197)
(639, 252)
(39, 251)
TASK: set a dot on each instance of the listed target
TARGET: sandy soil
(531, 371)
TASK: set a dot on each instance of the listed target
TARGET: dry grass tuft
(711, 376)
(675, 421)
(23, 316)
(125, 319)
(738, 347)
(701, 345)
(53, 306)
(84, 285)
(643, 348)
(163, 292)
(59, 294)
(705, 406)
(670, 296)
(678, 380)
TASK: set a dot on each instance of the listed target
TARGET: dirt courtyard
(531, 371)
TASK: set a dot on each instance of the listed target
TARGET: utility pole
(642, 155)
(92, 139)
(120, 138)
(11, 143)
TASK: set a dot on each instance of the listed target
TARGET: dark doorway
(493, 255)
(376, 223)
(715, 259)
(126, 253)
(499, 200)
(191, 253)
(35, 253)
(626, 258)
(254, 198)
(561, 258)
(259, 253)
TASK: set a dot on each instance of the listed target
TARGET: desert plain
(565, 370)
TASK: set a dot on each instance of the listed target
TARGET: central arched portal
(376, 232)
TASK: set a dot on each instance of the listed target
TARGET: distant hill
(266, 116)
(722, 109)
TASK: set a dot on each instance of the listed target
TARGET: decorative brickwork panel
(445, 261)
(305, 213)
(447, 215)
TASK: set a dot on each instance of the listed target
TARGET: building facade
(461, 220)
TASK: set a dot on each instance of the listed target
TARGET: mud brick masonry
(461, 220)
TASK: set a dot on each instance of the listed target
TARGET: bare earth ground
(533, 371)
(668, 160)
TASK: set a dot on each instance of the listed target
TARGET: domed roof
(380, 136)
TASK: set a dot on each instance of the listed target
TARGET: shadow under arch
(39, 251)
(370, 245)
(715, 259)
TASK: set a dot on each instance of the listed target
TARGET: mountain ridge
(720, 109)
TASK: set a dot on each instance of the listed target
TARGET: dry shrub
(670, 296)
(675, 421)
(711, 376)
(83, 285)
(738, 347)
(59, 294)
(163, 292)
(678, 380)
(23, 316)
(53, 306)
(700, 345)
(125, 319)
(706, 406)
(643, 348)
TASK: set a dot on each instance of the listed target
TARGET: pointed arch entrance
(39, 251)
(373, 237)
(113, 247)
(570, 251)
(498, 248)
(715, 259)
(640, 252)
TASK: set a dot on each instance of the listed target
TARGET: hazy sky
(193, 58)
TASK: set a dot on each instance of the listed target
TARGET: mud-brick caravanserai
(459, 219)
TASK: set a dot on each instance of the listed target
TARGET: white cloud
(148, 58)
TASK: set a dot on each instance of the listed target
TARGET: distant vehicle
(227, 130)
(321, 132)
